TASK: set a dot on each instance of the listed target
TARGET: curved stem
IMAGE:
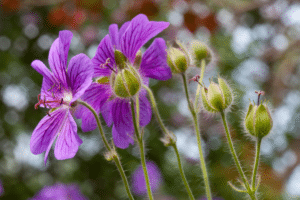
(166, 132)
(258, 142)
(141, 146)
(197, 129)
(116, 157)
(182, 173)
(236, 160)
(156, 112)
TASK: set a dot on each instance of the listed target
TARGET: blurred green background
(256, 46)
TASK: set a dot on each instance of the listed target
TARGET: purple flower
(59, 191)
(115, 109)
(138, 179)
(61, 88)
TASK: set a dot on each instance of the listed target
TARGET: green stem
(197, 129)
(197, 97)
(156, 112)
(141, 146)
(182, 173)
(236, 160)
(258, 143)
(116, 158)
(165, 130)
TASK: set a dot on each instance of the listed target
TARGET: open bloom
(138, 179)
(61, 88)
(59, 191)
(120, 69)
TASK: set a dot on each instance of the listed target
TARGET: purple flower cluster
(138, 179)
(63, 85)
(60, 191)
(116, 110)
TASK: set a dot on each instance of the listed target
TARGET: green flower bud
(177, 60)
(217, 97)
(258, 121)
(120, 59)
(127, 83)
(200, 51)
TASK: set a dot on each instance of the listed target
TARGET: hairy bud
(217, 97)
(258, 121)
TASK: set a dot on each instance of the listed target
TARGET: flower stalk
(139, 137)
(173, 143)
(197, 129)
(235, 157)
(109, 149)
(258, 143)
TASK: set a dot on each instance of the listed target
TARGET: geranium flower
(138, 179)
(60, 191)
(61, 88)
(104, 95)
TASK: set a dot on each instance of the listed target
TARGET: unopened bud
(127, 83)
(200, 51)
(177, 59)
(258, 121)
(120, 59)
(217, 97)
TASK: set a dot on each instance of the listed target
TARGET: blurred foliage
(28, 28)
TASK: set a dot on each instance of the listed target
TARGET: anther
(106, 65)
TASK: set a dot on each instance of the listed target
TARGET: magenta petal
(138, 33)
(145, 109)
(46, 131)
(114, 35)
(41, 68)
(48, 80)
(68, 141)
(96, 95)
(58, 56)
(122, 118)
(106, 112)
(122, 140)
(104, 51)
(80, 73)
(154, 61)
(123, 30)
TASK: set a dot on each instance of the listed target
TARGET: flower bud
(177, 60)
(120, 59)
(258, 121)
(217, 97)
(200, 51)
(127, 83)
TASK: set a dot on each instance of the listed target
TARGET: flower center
(67, 98)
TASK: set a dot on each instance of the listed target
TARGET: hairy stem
(258, 143)
(235, 157)
(197, 97)
(166, 132)
(141, 146)
(197, 129)
(182, 173)
(116, 158)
